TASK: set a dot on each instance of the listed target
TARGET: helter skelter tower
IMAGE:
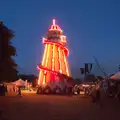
(54, 58)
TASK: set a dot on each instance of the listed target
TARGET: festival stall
(116, 77)
(10, 86)
(114, 85)
(20, 83)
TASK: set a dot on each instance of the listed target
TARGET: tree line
(8, 66)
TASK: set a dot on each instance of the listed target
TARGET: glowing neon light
(66, 64)
(60, 60)
(54, 22)
(55, 27)
(46, 69)
(58, 44)
(47, 55)
(54, 62)
(39, 78)
(43, 80)
(43, 61)
(63, 39)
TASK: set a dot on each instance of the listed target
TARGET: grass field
(50, 107)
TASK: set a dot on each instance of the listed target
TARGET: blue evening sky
(91, 26)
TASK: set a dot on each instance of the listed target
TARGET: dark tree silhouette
(8, 67)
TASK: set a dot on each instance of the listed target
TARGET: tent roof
(20, 82)
(116, 76)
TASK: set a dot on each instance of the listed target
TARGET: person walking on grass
(19, 91)
(98, 92)
(95, 93)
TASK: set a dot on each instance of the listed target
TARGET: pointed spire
(54, 26)
(53, 21)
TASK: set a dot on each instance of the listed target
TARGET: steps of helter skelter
(46, 69)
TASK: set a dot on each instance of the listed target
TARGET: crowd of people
(111, 89)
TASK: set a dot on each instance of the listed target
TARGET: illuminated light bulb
(43, 40)
(43, 60)
(60, 70)
(63, 38)
(55, 27)
(38, 67)
(53, 21)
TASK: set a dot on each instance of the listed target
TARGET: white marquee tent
(20, 82)
(116, 76)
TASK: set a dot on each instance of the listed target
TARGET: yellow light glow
(55, 27)
(63, 39)
(66, 64)
(46, 63)
(47, 55)
(53, 57)
(39, 78)
(53, 21)
(59, 54)
(56, 58)
(50, 57)
(43, 60)
(43, 80)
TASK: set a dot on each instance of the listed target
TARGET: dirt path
(43, 107)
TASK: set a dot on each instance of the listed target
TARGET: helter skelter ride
(54, 75)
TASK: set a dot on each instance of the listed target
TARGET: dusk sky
(92, 28)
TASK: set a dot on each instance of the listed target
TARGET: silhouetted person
(98, 92)
(118, 91)
(0, 90)
(3, 90)
(19, 91)
(93, 94)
